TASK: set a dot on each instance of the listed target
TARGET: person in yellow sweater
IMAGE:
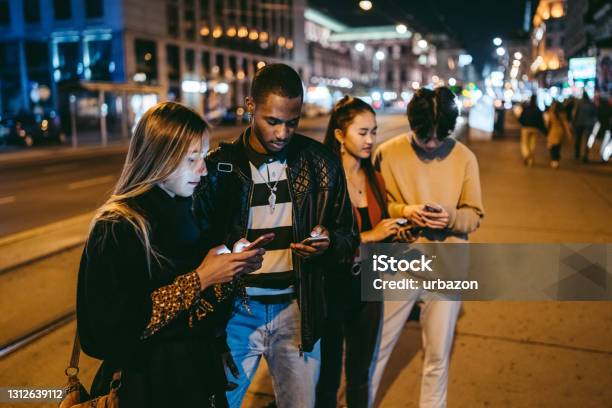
(558, 132)
(433, 180)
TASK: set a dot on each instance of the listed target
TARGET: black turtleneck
(114, 304)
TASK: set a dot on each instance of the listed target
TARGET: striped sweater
(276, 275)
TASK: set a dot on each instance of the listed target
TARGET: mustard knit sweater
(452, 182)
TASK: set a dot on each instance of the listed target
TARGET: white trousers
(438, 320)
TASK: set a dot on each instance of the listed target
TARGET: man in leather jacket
(271, 180)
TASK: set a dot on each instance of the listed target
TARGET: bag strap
(74, 365)
(74, 357)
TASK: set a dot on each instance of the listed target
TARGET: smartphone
(415, 231)
(312, 240)
(260, 242)
(432, 208)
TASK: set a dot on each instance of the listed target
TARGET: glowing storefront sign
(583, 69)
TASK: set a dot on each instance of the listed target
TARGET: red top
(374, 210)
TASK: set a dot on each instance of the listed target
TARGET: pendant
(272, 201)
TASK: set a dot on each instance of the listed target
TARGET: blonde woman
(558, 132)
(150, 297)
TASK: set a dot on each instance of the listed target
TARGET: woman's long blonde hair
(160, 142)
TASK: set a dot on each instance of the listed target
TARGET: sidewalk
(526, 354)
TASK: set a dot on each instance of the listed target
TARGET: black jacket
(177, 366)
(319, 196)
(532, 117)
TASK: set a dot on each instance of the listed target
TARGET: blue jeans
(272, 331)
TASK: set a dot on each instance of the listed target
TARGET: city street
(545, 354)
(524, 85)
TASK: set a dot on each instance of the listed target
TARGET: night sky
(473, 22)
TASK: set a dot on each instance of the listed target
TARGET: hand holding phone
(435, 216)
(316, 244)
(402, 222)
(312, 240)
(260, 242)
(434, 208)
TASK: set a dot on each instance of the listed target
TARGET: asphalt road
(39, 191)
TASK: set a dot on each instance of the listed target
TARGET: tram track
(39, 332)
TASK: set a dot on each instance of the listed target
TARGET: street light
(497, 41)
(360, 47)
(380, 55)
(518, 55)
(401, 28)
(422, 44)
(500, 51)
(365, 5)
(465, 59)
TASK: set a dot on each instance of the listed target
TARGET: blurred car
(32, 130)
(233, 116)
(5, 131)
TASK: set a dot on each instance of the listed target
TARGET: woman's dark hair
(433, 112)
(343, 114)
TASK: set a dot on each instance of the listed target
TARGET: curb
(10, 159)
(29, 246)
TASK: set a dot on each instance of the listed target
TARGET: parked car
(32, 130)
(5, 132)
(234, 116)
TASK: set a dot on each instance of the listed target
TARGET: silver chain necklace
(359, 190)
(272, 196)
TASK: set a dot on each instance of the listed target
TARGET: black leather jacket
(319, 197)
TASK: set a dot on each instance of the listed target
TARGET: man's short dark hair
(433, 111)
(278, 79)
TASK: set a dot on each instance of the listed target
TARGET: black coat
(319, 196)
(532, 117)
(178, 365)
